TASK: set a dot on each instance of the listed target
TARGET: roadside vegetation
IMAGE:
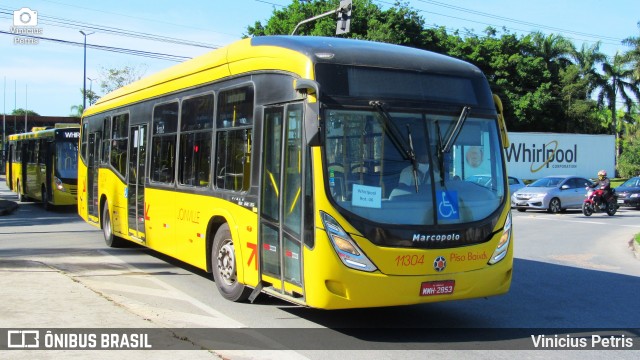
(546, 82)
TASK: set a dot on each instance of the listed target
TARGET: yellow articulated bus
(42, 165)
(327, 172)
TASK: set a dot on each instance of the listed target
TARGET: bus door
(136, 178)
(10, 165)
(93, 159)
(282, 197)
(50, 156)
(24, 159)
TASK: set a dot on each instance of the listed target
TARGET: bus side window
(196, 136)
(233, 139)
(163, 142)
(119, 143)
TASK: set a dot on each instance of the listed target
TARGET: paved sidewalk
(36, 296)
(62, 292)
(8, 198)
(56, 301)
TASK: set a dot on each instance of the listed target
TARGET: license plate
(442, 287)
(620, 201)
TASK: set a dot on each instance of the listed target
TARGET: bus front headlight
(503, 244)
(348, 252)
(58, 183)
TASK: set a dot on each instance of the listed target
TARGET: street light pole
(84, 75)
(26, 106)
(4, 125)
(90, 89)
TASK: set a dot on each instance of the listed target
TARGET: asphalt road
(570, 272)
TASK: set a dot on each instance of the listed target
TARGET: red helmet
(602, 173)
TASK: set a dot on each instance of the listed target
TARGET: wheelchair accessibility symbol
(447, 202)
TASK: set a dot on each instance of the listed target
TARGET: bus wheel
(45, 199)
(21, 196)
(223, 259)
(107, 229)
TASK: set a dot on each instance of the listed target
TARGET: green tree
(114, 78)
(397, 25)
(581, 111)
(634, 54)
(629, 161)
(554, 49)
(21, 111)
(544, 82)
(76, 111)
(587, 59)
(92, 97)
(616, 82)
(521, 79)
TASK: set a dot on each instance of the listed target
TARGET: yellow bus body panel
(67, 197)
(329, 284)
(236, 59)
(83, 211)
(177, 223)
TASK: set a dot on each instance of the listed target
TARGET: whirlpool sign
(535, 155)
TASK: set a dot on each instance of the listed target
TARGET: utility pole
(4, 112)
(15, 106)
(4, 125)
(26, 106)
(90, 89)
(84, 75)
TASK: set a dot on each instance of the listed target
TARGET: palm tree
(587, 58)
(616, 82)
(634, 53)
(77, 110)
(554, 49)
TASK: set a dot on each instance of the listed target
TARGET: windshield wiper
(414, 162)
(451, 138)
(407, 150)
(456, 130)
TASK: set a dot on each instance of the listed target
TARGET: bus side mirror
(501, 122)
(312, 110)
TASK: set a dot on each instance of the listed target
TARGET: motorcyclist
(603, 183)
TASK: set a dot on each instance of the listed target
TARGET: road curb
(7, 207)
(635, 247)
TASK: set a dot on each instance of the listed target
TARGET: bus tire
(223, 266)
(107, 229)
(21, 196)
(45, 199)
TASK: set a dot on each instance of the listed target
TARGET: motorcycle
(595, 202)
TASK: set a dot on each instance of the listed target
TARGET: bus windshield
(67, 160)
(394, 168)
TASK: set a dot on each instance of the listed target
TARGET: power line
(72, 24)
(269, 3)
(469, 32)
(75, 6)
(516, 21)
(147, 54)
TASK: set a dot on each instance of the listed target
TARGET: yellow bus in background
(326, 172)
(42, 165)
